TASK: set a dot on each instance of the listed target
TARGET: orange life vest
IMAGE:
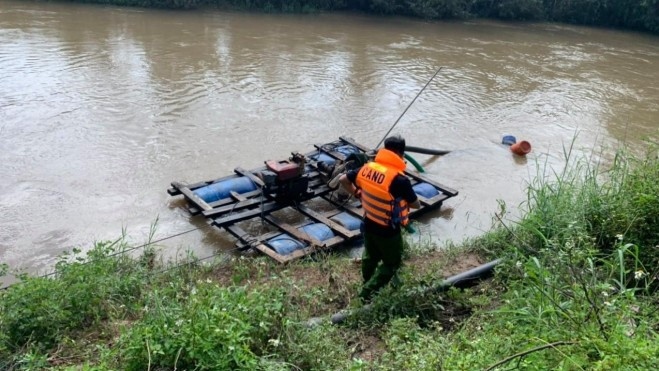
(374, 179)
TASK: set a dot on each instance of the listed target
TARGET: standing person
(387, 196)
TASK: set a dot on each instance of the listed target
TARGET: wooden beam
(297, 254)
(269, 206)
(336, 155)
(250, 175)
(245, 240)
(269, 235)
(292, 231)
(236, 206)
(345, 207)
(271, 253)
(332, 242)
(192, 196)
(236, 196)
(229, 200)
(336, 227)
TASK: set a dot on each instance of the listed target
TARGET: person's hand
(358, 193)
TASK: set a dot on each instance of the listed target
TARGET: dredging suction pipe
(426, 151)
(462, 280)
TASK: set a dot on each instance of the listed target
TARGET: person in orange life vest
(386, 195)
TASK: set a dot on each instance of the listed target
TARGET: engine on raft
(286, 181)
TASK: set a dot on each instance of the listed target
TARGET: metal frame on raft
(246, 195)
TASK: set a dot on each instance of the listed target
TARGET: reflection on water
(102, 107)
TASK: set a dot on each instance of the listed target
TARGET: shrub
(212, 328)
(40, 310)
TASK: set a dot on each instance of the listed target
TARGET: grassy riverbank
(640, 15)
(577, 290)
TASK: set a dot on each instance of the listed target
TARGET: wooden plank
(334, 154)
(236, 231)
(358, 212)
(192, 196)
(271, 253)
(209, 182)
(224, 201)
(300, 235)
(238, 206)
(269, 235)
(235, 207)
(250, 175)
(425, 202)
(269, 206)
(245, 240)
(336, 227)
(438, 198)
(297, 254)
(236, 196)
(228, 200)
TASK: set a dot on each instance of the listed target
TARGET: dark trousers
(381, 260)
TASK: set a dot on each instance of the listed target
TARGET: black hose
(426, 151)
(461, 280)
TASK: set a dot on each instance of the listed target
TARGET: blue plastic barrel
(346, 149)
(347, 220)
(222, 189)
(426, 190)
(508, 140)
(284, 244)
(319, 231)
(324, 157)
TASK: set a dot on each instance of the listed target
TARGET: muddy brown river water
(102, 107)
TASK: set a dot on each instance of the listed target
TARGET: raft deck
(337, 224)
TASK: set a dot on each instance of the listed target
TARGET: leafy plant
(39, 310)
(211, 328)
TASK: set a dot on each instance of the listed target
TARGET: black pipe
(426, 151)
(461, 280)
(470, 277)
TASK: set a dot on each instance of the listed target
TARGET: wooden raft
(228, 212)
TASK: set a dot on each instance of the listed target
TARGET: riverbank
(635, 15)
(577, 289)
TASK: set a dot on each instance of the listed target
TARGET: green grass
(577, 290)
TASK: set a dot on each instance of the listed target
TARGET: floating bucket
(521, 148)
(426, 190)
(222, 189)
(508, 140)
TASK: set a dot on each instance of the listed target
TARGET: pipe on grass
(461, 280)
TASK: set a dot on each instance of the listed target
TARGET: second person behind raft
(387, 196)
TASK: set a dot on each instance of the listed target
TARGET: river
(102, 107)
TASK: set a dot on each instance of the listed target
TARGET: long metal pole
(408, 107)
